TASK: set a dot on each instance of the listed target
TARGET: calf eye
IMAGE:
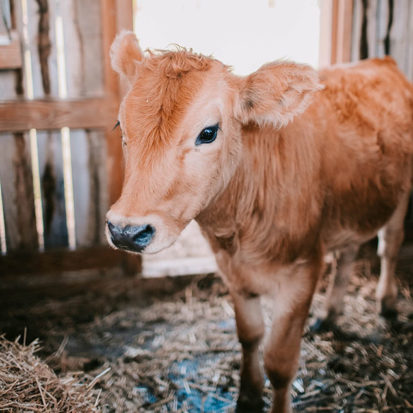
(207, 135)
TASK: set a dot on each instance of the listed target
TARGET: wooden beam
(109, 30)
(344, 31)
(55, 114)
(64, 260)
(124, 21)
(326, 41)
(10, 54)
(113, 16)
(335, 31)
(114, 148)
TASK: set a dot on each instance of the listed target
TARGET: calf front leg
(250, 328)
(281, 355)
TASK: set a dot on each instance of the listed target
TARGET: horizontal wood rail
(90, 113)
(99, 257)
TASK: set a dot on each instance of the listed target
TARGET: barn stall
(98, 329)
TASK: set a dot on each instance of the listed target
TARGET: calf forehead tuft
(165, 88)
(173, 64)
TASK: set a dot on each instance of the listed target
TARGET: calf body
(278, 168)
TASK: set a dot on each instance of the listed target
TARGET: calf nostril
(114, 230)
(143, 235)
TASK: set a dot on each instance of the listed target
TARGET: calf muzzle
(131, 238)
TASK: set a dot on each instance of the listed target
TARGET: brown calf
(278, 168)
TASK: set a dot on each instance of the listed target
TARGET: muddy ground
(176, 349)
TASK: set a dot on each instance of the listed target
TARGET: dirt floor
(177, 350)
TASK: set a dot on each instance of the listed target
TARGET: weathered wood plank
(10, 54)
(52, 188)
(43, 44)
(399, 40)
(55, 114)
(17, 192)
(356, 30)
(382, 17)
(52, 57)
(372, 27)
(409, 66)
(26, 220)
(9, 212)
(111, 81)
(7, 89)
(325, 33)
(363, 45)
(89, 184)
(8, 78)
(27, 21)
(87, 23)
(7, 179)
(344, 24)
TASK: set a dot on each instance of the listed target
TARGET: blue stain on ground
(146, 394)
(194, 400)
(182, 374)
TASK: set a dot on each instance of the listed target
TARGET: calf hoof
(387, 309)
(389, 313)
(322, 324)
(249, 404)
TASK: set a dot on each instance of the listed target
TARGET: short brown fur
(298, 169)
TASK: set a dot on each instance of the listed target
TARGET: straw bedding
(28, 384)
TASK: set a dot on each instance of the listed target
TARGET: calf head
(181, 123)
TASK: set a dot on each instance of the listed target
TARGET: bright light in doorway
(242, 33)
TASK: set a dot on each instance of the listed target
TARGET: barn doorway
(244, 34)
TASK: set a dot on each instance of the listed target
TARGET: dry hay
(29, 385)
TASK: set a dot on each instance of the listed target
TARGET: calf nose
(134, 238)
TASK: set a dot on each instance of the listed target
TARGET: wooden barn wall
(70, 70)
(54, 183)
(384, 27)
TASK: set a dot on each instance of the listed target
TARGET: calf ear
(275, 93)
(126, 54)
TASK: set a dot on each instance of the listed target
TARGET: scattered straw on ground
(185, 357)
(180, 353)
(29, 385)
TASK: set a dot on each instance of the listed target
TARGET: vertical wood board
(89, 184)
(17, 192)
(52, 184)
(372, 27)
(356, 30)
(409, 63)
(88, 23)
(382, 17)
(31, 44)
(399, 40)
(9, 193)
